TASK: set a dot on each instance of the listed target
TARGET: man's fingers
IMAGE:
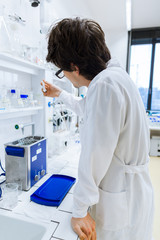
(80, 233)
(42, 86)
(84, 227)
(42, 90)
(45, 83)
(83, 238)
(94, 236)
(44, 93)
(88, 231)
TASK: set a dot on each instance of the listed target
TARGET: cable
(2, 181)
(2, 167)
(2, 174)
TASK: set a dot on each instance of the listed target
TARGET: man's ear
(75, 68)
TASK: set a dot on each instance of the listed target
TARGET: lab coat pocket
(112, 210)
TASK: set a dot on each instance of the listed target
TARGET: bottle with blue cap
(24, 98)
(13, 98)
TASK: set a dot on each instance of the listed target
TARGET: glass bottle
(5, 40)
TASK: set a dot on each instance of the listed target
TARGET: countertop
(65, 163)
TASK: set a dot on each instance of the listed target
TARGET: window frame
(144, 36)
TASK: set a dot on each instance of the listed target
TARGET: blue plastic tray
(52, 191)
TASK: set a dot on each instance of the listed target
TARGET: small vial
(43, 87)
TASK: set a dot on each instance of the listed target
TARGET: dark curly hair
(80, 42)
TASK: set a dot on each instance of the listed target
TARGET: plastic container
(24, 98)
(31, 101)
(20, 103)
(53, 191)
(1, 106)
(13, 98)
(38, 99)
(5, 98)
(10, 195)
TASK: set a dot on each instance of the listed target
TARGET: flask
(5, 41)
(5, 99)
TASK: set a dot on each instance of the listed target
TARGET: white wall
(117, 43)
(145, 13)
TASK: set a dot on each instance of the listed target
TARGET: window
(156, 80)
(144, 65)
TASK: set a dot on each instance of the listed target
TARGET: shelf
(19, 112)
(9, 62)
(154, 128)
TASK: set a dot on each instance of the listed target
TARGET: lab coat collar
(111, 63)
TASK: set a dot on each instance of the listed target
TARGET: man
(114, 188)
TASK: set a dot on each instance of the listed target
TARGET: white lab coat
(113, 172)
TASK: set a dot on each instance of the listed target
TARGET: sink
(19, 227)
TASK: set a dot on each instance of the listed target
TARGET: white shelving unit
(12, 63)
(36, 74)
(19, 112)
(28, 75)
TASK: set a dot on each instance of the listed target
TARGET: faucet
(22, 126)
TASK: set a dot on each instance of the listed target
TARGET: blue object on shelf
(23, 96)
(13, 91)
(53, 191)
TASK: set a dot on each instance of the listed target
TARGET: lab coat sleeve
(75, 104)
(99, 140)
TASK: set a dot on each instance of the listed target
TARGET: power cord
(2, 174)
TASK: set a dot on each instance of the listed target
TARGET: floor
(155, 177)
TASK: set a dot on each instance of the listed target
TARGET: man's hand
(84, 227)
(51, 90)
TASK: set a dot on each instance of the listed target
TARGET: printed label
(39, 150)
(34, 158)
